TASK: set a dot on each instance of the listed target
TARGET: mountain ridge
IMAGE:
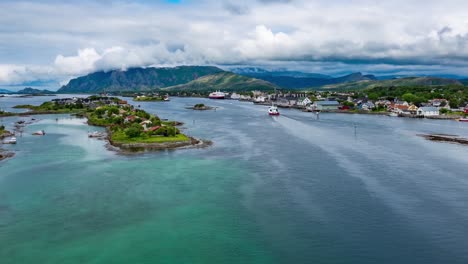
(300, 80)
(406, 81)
(136, 79)
(225, 81)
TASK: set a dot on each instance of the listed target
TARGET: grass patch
(120, 137)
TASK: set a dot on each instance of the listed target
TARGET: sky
(52, 41)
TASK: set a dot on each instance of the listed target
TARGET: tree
(373, 96)
(133, 131)
(444, 110)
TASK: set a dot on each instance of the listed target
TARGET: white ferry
(217, 95)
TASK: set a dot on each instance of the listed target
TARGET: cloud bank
(51, 40)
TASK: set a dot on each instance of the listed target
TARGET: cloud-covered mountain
(136, 79)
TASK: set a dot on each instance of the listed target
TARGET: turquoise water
(291, 189)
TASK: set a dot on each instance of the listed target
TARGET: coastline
(133, 148)
(5, 155)
(445, 138)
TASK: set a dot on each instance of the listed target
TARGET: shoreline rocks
(5, 155)
(445, 138)
(129, 148)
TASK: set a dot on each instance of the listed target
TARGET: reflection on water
(287, 189)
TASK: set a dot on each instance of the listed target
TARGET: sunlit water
(288, 189)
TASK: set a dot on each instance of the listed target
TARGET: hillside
(299, 80)
(4, 91)
(224, 81)
(29, 90)
(408, 81)
(136, 79)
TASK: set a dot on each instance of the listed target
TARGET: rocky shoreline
(445, 138)
(130, 148)
(5, 155)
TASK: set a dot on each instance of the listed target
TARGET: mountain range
(4, 91)
(209, 78)
(29, 90)
(136, 79)
(300, 80)
(225, 81)
(406, 81)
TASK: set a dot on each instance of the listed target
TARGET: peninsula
(128, 128)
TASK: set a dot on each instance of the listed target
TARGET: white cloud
(84, 62)
(55, 40)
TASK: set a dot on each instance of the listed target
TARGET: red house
(344, 107)
(466, 109)
(154, 128)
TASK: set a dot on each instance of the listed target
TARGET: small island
(127, 128)
(151, 98)
(201, 107)
(4, 134)
(445, 138)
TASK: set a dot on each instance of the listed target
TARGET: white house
(428, 111)
(235, 96)
(260, 99)
(304, 101)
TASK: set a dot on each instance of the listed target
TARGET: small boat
(393, 114)
(39, 133)
(95, 134)
(11, 140)
(273, 111)
(217, 95)
(462, 120)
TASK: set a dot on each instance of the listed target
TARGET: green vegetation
(136, 79)
(456, 95)
(148, 98)
(128, 125)
(3, 113)
(428, 82)
(4, 132)
(122, 137)
(52, 107)
(225, 81)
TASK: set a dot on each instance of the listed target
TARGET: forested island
(127, 127)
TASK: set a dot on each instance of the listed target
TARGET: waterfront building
(428, 111)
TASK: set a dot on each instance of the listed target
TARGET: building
(367, 106)
(260, 99)
(235, 96)
(413, 109)
(326, 105)
(428, 111)
(304, 101)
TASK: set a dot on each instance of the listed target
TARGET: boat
(393, 114)
(11, 140)
(462, 120)
(95, 134)
(217, 95)
(273, 110)
(39, 133)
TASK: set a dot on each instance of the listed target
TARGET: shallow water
(288, 189)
